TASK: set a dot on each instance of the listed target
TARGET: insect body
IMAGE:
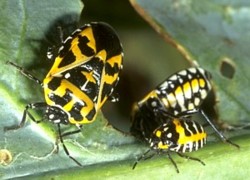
(82, 78)
(179, 136)
(162, 118)
(176, 135)
(84, 73)
(180, 95)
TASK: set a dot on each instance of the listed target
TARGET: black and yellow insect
(180, 95)
(83, 76)
(175, 135)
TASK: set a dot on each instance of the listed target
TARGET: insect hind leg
(25, 113)
(222, 137)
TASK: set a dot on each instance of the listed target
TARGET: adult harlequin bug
(82, 78)
(180, 95)
(175, 135)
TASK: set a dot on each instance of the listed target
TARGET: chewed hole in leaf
(227, 68)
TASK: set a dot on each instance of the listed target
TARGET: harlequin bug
(175, 135)
(82, 78)
(180, 95)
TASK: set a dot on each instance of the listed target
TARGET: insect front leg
(26, 112)
(60, 137)
(173, 162)
(143, 157)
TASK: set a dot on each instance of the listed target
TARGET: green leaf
(220, 161)
(214, 33)
(27, 29)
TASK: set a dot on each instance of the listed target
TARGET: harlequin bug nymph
(178, 136)
(180, 95)
(82, 78)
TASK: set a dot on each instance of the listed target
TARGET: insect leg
(114, 97)
(222, 137)
(64, 147)
(25, 113)
(192, 158)
(51, 51)
(24, 72)
(143, 157)
(173, 162)
(60, 30)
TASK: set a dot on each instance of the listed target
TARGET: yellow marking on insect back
(203, 93)
(180, 97)
(77, 96)
(190, 106)
(115, 60)
(105, 78)
(195, 85)
(88, 32)
(102, 55)
(202, 83)
(89, 76)
(67, 107)
(101, 101)
(57, 72)
(79, 57)
(183, 139)
(162, 146)
(178, 92)
(171, 99)
(187, 90)
(197, 101)
(110, 79)
(158, 134)
(54, 68)
(165, 102)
